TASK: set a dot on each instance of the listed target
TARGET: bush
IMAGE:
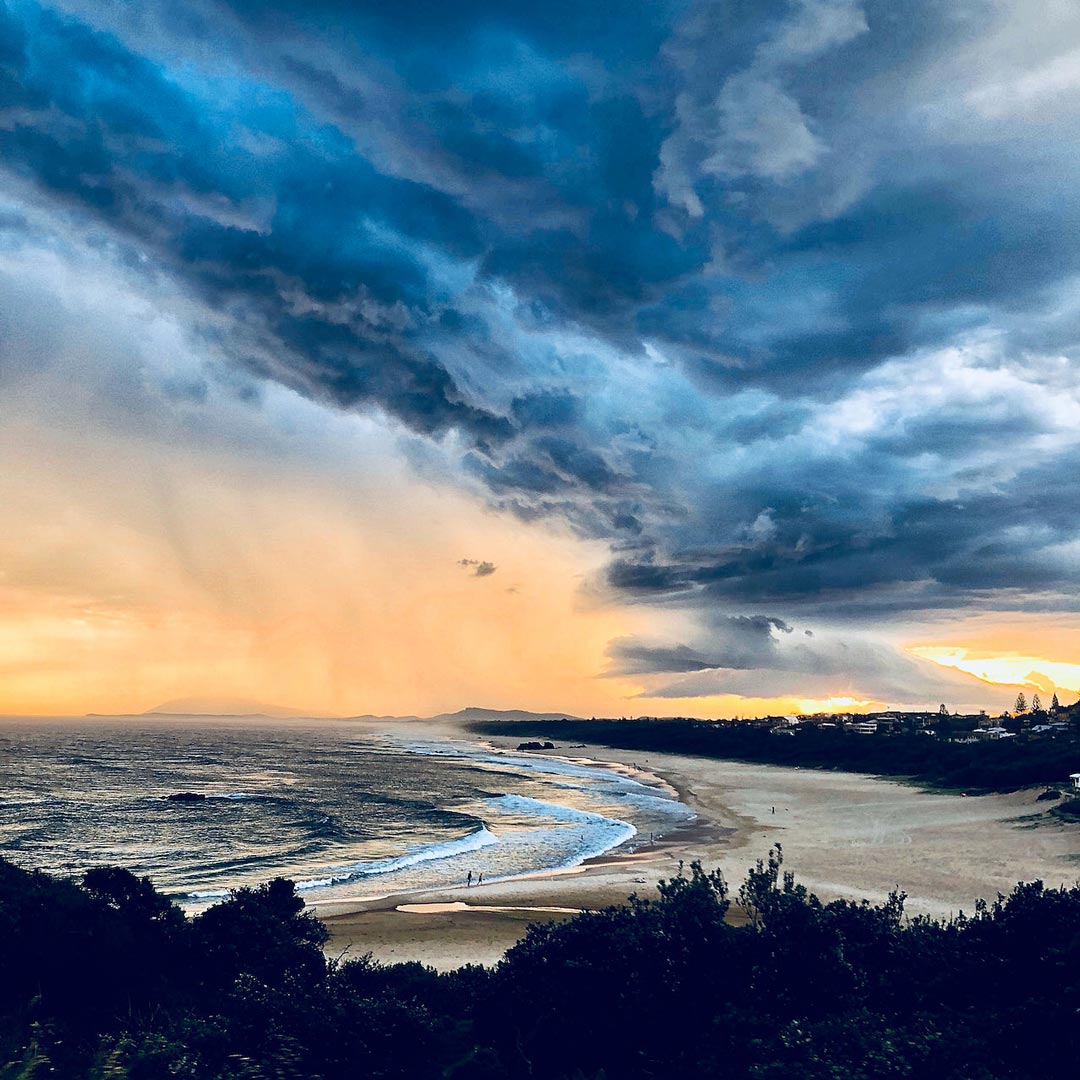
(108, 979)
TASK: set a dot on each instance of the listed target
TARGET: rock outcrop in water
(186, 796)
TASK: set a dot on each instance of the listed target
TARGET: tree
(943, 711)
(1021, 703)
(1036, 704)
(1055, 704)
(262, 931)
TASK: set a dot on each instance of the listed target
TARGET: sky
(681, 358)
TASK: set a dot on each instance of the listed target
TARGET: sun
(837, 703)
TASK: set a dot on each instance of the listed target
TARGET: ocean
(345, 810)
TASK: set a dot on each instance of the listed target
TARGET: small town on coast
(1024, 747)
(1033, 721)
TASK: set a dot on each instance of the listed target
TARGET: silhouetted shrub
(108, 979)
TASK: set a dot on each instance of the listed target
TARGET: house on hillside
(992, 733)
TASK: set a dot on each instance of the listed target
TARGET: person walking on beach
(480, 879)
(468, 880)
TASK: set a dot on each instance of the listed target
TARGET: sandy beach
(843, 835)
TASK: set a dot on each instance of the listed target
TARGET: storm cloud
(754, 657)
(776, 300)
(737, 642)
(479, 567)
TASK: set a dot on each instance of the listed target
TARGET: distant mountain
(196, 706)
(474, 712)
(371, 718)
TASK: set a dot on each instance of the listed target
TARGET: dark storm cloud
(735, 642)
(546, 409)
(822, 669)
(768, 664)
(631, 657)
(293, 244)
(479, 567)
(776, 298)
(985, 551)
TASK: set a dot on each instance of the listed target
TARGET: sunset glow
(1044, 676)
(836, 705)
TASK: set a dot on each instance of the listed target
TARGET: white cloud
(762, 132)
(814, 27)
(749, 125)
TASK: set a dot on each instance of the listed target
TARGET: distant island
(205, 706)
(250, 708)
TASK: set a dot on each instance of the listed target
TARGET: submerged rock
(186, 796)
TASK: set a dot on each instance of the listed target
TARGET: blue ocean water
(344, 810)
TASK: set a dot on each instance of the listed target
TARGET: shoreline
(844, 835)
(333, 890)
(450, 927)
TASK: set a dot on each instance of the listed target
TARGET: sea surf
(342, 809)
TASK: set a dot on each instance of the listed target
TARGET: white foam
(539, 763)
(481, 838)
(345, 875)
(533, 835)
(551, 811)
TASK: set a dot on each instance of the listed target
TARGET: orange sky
(135, 574)
(1040, 651)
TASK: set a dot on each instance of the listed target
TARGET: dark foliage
(1003, 765)
(108, 978)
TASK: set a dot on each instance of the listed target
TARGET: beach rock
(185, 796)
(1048, 794)
(536, 746)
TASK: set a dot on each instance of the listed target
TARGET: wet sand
(843, 835)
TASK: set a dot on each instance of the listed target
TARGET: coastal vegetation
(943, 760)
(107, 978)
